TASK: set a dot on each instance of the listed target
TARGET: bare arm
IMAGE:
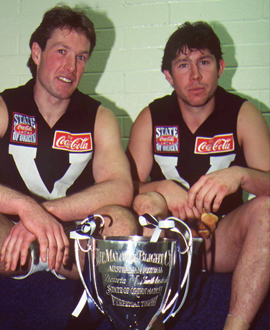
(3, 117)
(139, 147)
(253, 135)
(111, 173)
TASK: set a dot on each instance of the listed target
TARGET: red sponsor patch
(72, 142)
(216, 144)
(167, 140)
(24, 129)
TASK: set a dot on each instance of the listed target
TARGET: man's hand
(177, 200)
(209, 191)
(49, 233)
(39, 222)
(15, 246)
(39, 225)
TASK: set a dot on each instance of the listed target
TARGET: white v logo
(24, 160)
(168, 166)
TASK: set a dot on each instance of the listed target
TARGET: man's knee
(152, 203)
(119, 220)
(140, 203)
(259, 212)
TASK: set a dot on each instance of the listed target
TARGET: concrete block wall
(124, 70)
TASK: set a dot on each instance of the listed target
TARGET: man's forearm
(15, 203)
(163, 186)
(86, 202)
(144, 187)
(256, 182)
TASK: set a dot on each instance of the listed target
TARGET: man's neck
(49, 107)
(194, 117)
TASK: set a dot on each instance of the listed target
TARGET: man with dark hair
(198, 35)
(201, 146)
(61, 154)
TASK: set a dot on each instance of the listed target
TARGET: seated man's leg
(152, 203)
(243, 247)
(119, 221)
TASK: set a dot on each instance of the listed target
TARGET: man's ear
(168, 76)
(36, 52)
(221, 67)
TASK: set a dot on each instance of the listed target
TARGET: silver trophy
(130, 278)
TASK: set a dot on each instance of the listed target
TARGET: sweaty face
(61, 64)
(194, 76)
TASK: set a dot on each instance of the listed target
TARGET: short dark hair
(198, 35)
(61, 16)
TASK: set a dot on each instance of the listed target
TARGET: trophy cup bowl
(132, 278)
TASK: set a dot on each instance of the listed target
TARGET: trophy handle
(85, 231)
(82, 277)
(169, 223)
(186, 235)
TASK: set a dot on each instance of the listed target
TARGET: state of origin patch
(167, 139)
(24, 129)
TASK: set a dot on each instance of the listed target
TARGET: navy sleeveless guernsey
(43, 162)
(184, 157)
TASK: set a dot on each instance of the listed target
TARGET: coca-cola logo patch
(216, 144)
(166, 139)
(72, 141)
(24, 129)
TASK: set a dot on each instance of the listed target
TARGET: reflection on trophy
(131, 277)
